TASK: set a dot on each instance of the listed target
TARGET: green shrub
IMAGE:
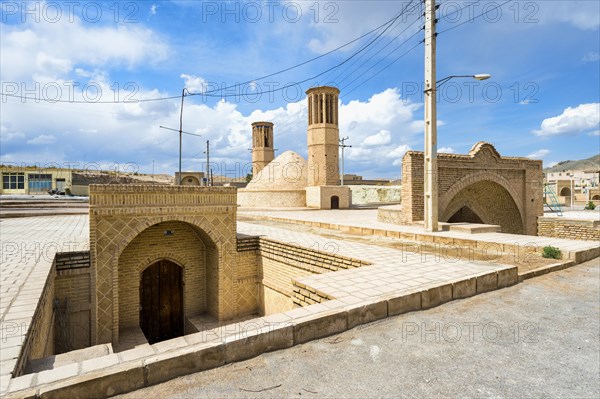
(591, 206)
(551, 252)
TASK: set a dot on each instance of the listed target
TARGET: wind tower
(323, 137)
(263, 151)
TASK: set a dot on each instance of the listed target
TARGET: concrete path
(536, 339)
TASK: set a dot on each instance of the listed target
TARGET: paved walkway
(391, 270)
(538, 339)
(30, 244)
(28, 247)
(367, 219)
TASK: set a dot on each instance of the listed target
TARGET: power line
(474, 18)
(416, 45)
(210, 92)
(383, 69)
(390, 21)
(384, 47)
(315, 76)
(363, 54)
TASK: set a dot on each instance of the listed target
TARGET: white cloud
(583, 118)
(580, 14)
(153, 9)
(539, 154)
(11, 136)
(591, 56)
(130, 132)
(397, 154)
(54, 49)
(378, 139)
(42, 139)
(193, 83)
(447, 150)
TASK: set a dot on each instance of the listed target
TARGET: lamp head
(482, 76)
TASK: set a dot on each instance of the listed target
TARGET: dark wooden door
(335, 202)
(161, 301)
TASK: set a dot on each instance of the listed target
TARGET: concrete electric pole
(430, 167)
(342, 145)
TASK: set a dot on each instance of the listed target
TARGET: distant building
(191, 179)
(34, 180)
(589, 178)
(357, 180)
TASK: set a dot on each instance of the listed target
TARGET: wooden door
(335, 202)
(161, 301)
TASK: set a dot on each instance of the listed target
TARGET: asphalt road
(540, 338)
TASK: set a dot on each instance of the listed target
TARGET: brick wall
(39, 341)
(575, 229)
(468, 181)
(183, 247)
(281, 264)
(119, 213)
(247, 277)
(72, 305)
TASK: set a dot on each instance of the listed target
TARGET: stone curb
(236, 343)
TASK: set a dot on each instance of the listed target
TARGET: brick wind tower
(263, 151)
(323, 136)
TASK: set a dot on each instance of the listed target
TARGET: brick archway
(490, 202)
(520, 178)
(119, 213)
(471, 179)
(185, 247)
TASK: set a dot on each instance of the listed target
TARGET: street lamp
(431, 186)
(479, 76)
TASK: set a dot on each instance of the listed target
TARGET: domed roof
(286, 172)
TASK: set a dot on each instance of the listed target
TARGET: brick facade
(119, 214)
(575, 229)
(499, 190)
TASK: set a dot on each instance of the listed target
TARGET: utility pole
(181, 132)
(430, 167)
(207, 152)
(343, 145)
(572, 191)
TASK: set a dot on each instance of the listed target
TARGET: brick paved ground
(28, 246)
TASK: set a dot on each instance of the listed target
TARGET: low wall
(282, 263)
(267, 199)
(376, 194)
(576, 229)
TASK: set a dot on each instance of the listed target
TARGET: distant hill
(592, 163)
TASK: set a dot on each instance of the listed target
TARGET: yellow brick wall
(247, 282)
(72, 295)
(520, 178)
(184, 247)
(274, 301)
(39, 340)
(121, 213)
(574, 229)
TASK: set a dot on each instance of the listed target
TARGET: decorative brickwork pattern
(500, 190)
(118, 214)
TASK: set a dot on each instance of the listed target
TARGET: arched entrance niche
(170, 268)
(486, 202)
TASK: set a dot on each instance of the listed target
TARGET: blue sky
(542, 101)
